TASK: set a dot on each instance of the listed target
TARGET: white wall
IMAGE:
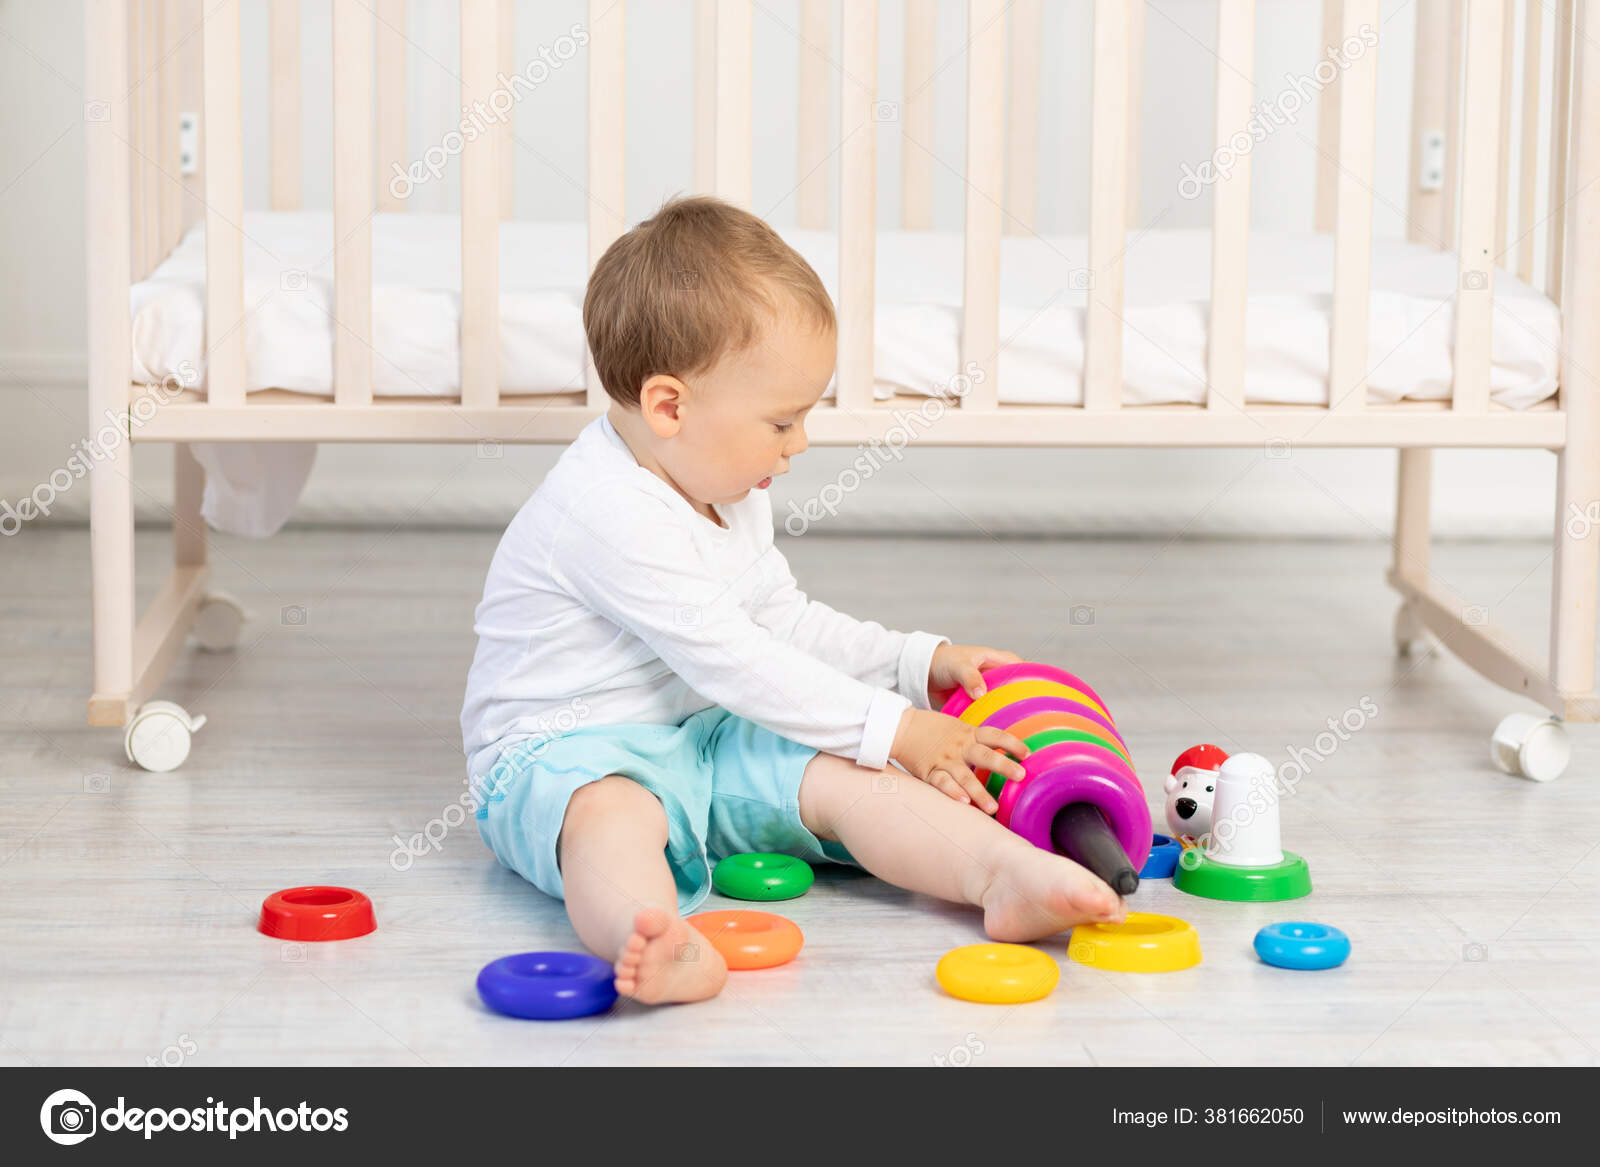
(1198, 491)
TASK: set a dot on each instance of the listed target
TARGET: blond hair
(698, 280)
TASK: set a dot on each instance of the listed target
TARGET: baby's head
(713, 339)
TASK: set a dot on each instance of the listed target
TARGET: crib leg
(111, 572)
(1575, 577)
(188, 528)
(1413, 503)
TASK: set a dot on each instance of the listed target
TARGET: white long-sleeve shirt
(611, 600)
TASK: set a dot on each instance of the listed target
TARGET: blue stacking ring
(1163, 861)
(548, 986)
(1301, 945)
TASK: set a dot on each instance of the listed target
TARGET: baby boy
(652, 689)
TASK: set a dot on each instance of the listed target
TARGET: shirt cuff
(916, 658)
(883, 721)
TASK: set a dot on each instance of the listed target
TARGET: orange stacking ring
(749, 939)
(1061, 719)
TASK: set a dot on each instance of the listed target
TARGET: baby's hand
(959, 666)
(943, 751)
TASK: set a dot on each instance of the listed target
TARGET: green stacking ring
(996, 781)
(762, 875)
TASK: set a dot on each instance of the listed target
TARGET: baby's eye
(783, 427)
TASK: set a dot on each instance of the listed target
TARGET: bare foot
(1033, 894)
(664, 960)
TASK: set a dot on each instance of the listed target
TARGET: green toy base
(1204, 877)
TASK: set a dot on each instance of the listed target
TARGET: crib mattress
(289, 331)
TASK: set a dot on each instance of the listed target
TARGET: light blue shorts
(728, 786)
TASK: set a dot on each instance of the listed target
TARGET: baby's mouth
(764, 483)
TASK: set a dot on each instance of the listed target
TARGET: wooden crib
(144, 58)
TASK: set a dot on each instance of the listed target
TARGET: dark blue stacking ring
(1301, 945)
(548, 986)
(1163, 861)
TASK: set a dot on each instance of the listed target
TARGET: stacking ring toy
(762, 875)
(1144, 943)
(1082, 780)
(548, 986)
(1030, 706)
(1302, 946)
(997, 699)
(750, 939)
(1022, 671)
(1163, 861)
(316, 913)
(997, 974)
(1050, 737)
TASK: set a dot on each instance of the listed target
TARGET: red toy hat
(1201, 757)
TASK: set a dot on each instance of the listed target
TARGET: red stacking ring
(317, 913)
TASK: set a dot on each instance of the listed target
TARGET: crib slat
(1230, 224)
(1352, 235)
(1452, 132)
(480, 214)
(1528, 166)
(1328, 121)
(980, 290)
(1560, 108)
(1022, 119)
(1135, 107)
(916, 158)
(394, 186)
(352, 203)
(733, 101)
(1108, 206)
(135, 137)
(607, 134)
(1508, 37)
(224, 207)
(1425, 208)
(506, 130)
(285, 109)
(858, 194)
(811, 150)
(191, 96)
(705, 95)
(1480, 150)
(150, 104)
(171, 185)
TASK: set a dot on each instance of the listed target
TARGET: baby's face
(745, 417)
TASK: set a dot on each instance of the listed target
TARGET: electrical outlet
(188, 143)
(1430, 174)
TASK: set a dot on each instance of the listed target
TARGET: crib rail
(1464, 71)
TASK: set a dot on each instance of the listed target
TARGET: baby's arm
(865, 649)
(634, 563)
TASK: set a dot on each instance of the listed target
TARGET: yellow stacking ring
(997, 974)
(1009, 694)
(1144, 943)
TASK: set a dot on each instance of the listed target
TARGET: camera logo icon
(68, 1117)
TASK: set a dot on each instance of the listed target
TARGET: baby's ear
(1171, 783)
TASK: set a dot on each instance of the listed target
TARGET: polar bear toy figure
(1191, 789)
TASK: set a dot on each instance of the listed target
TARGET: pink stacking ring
(1008, 799)
(1041, 761)
(1021, 671)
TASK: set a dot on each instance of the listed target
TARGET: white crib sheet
(416, 313)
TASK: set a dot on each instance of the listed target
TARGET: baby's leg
(907, 833)
(621, 897)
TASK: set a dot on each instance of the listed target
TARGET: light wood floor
(127, 899)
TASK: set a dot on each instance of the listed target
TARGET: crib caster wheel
(1531, 746)
(1409, 634)
(217, 623)
(159, 735)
